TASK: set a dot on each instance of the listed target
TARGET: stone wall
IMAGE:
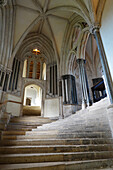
(51, 107)
(13, 108)
(106, 31)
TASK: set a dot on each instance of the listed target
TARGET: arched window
(25, 69)
(35, 65)
(44, 72)
(31, 69)
(38, 71)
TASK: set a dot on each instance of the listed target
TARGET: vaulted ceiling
(50, 17)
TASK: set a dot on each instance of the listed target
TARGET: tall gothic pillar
(104, 63)
(86, 100)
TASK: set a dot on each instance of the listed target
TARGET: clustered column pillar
(12, 84)
(16, 75)
(86, 101)
(53, 80)
(104, 63)
(69, 89)
(4, 79)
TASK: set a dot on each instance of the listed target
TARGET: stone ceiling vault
(50, 17)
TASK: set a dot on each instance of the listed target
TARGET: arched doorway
(32, 100)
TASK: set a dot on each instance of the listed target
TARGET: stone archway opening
(32, 103)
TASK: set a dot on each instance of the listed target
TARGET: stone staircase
(81, 141)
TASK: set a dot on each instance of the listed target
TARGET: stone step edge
(52, 146)
(80, 164)
(67, 139)
(54, 154)
(29, 117)
(31, 133)
(15, 137)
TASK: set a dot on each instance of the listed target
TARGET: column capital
(8, 71)
(1, 67)
(93, 28)
(79, 60)
(3, 3)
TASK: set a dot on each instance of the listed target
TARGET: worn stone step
(25, 123)
(18, 129)
(55, 131)
(30, 120)
(93, 129)
(54, 157)
(85, 135)
(32, 142)
(54, 148)
(13, 132)
(13, 126)
(78, 127)
(64, 165)
(61, 136)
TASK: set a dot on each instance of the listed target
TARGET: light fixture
(36, 50)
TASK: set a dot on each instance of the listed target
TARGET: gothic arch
(37, 83)
(75, 21)
(36, 40)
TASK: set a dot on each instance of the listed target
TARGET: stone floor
(31, 111)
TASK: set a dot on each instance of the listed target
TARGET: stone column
(69, 94)
(61, 116)
(52, 78)
(55, 92)
(15, 76)
(0, 74)
(8, 80)
(86, 101)
(4, 72)
(69, 89)
(0, 77)
(104, 63)
(63, 91)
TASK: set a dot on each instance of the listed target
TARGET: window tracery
(34, 66)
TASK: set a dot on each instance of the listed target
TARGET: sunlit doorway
(32, 100)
